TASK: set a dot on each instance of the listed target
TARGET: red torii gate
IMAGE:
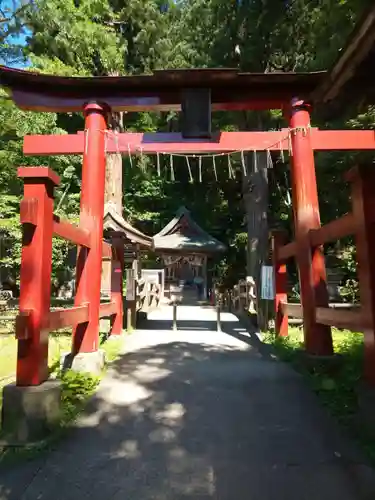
(98, 96)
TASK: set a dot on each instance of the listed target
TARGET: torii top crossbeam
(163, 90)
(160, 91)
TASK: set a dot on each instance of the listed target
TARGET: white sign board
(152, 275)
(268, 289)
(130, 284)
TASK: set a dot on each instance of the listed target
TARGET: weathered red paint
(332, 231)
(363, 202)
(223, 142)
(53, 320)
(311, 266)
(33, 102)
(62, 318)
(287, 251)
(280, 272)
(293, 310)
(107, 309)
(341, 318)
(75, 234)
(36, 263)
(89, 262)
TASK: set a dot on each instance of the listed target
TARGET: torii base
(30, 414)
(84, 362)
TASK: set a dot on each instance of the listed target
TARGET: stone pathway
(197, 414)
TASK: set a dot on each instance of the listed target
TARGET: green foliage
(11, 27)
(112, 349)
(350, 288)
(108, 37)
(336, 382)
(76, 389)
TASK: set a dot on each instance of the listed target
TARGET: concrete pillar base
(122, 336)
(87, 362)
(30, 413)
(104, 325)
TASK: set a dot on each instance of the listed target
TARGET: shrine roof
(183, 234)
(350, 80)
(115, 222)
(160, 90)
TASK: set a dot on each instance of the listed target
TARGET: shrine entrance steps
(197, 414)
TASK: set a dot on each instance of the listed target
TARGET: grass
(58, 343)
(76, 387)
(337, 384)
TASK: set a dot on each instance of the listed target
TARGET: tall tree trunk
(255, 196)
(113, 176)
(112, 192)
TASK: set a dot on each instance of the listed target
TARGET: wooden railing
(63, 317)
(36, 318)
(359, 223)
(148, 294)
(241, 297)
(8, 310)
(143, 295)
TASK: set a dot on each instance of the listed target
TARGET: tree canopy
(114, 37)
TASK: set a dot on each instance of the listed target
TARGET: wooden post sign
(267, 284)
(130, 284)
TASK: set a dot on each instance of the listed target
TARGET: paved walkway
(196, 414)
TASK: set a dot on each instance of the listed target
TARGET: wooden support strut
(280, 274)
(311, 266)
(35, 276)
(117, 271)
(363, 202)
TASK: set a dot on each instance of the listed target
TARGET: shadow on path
(187, 419)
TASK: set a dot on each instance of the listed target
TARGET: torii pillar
(85, 351)
(310, 261)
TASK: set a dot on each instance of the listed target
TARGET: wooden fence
(36, 319)
(360, 223)
(148, 294)
(143, 295)
(241, 297)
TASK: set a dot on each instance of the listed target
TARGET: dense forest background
(118, 37)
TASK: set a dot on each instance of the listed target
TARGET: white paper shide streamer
(158, 164)
(243, 163)
(191, 178)
(171, 166)
(279, 145)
